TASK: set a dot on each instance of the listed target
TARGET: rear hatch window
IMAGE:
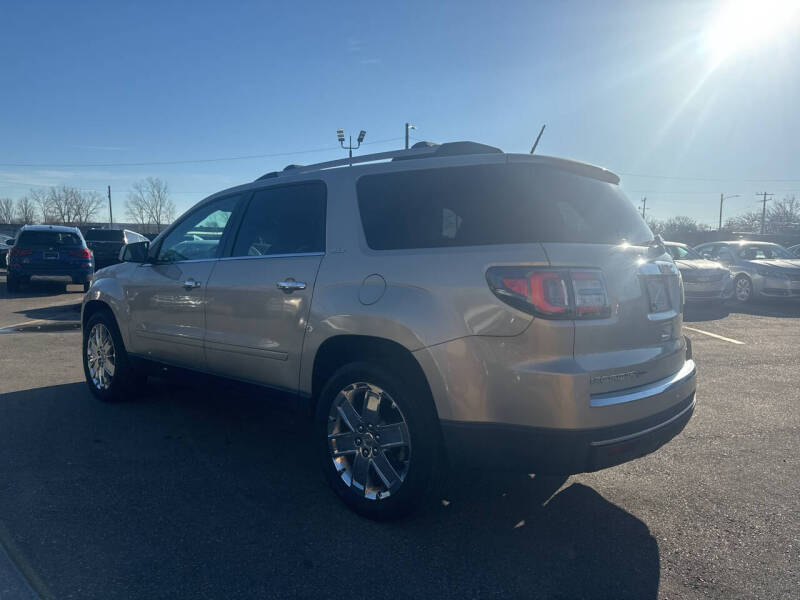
(494, 204)
(104, 235)
(48, 239)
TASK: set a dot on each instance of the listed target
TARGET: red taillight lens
(552, 293)
(82, 253)
(14, 252)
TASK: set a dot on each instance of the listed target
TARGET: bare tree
(149, 203)
(41, 200)
(746, 222)
(6, 210)
(86, 206)
(72, 206)
(783, 214)
(26, 210)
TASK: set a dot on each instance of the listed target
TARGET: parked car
(502, 310)
(703, 280)
(795, 250)
(759, 269)
(106, 244)
(6, 241)
(49, 251)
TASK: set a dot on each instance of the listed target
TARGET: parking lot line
(714, 335)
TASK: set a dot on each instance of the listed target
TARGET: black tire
(405, 396)
(12, 284)
(741, 283)
(126, 382)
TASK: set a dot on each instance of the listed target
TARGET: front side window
(284, 220)
(681, 253)
(763, 252)
(199, 234)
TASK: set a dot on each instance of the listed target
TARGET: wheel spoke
(108, 367)
(372, 402)
(393, 435)
(348, 414)
(343, 443)
(386, 471)
(360, 472)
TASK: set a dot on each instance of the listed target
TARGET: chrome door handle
(190, 284)
(289, 285)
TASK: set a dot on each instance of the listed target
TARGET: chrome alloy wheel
(743, 289)
(101, 356)
(368, 440)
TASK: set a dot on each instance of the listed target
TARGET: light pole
(409, 126)
(350, 147)
(722, 199)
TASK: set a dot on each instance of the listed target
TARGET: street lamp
(409, 127)
(350, 147)
(722, 199)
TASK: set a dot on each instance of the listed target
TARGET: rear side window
(49, 238)
(104, 235)
(493, 204)
(284, 220)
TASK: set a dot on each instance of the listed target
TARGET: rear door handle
(190, 284)
(289, 285)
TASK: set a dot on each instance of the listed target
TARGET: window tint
(104, 235)
(493, 204)
(284, 220)
(763, 252)
(198, 235)
(49, 238)
(681, 253)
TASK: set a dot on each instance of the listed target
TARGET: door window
(284, 220)
(198, 236)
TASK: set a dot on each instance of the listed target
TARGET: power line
(184, 162)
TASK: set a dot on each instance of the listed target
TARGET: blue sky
(631, 86)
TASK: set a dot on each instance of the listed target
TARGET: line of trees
(148, 205)
(782, 216)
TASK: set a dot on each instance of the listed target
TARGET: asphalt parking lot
(211, 491)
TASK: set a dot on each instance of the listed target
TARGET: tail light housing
(14, 253)
(552, 293)
(82, 253)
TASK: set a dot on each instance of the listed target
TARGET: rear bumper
(76, 274)
(548, 451)
(567, 451)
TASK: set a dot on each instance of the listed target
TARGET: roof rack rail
(420, 150)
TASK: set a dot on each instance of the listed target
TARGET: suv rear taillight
(14, 252)
(552, 293)
(82, 253)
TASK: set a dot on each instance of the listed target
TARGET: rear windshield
(494, 204)
(49, 238)
(104, 235)
(683, 253)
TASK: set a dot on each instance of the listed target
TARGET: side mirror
(135, 253)
(10, 242)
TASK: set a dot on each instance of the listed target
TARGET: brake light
(14, 252)
(82, 253)
(552, 293)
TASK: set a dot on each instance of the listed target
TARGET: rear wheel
(377, 440)
(109, 373)
(743, 288)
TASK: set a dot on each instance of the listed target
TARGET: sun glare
(740, 25)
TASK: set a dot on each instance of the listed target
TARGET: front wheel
(377, 439)
(743, 288)
(109, 373)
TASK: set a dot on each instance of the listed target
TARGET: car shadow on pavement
(60, 312)
(216, 493)
(39, 289)
(781, 308)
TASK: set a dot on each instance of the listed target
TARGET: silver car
(450, 302)
(759, 269)
(703, 280)
(795, 250)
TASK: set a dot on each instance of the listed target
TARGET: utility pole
(722, 199)
(644, 205)
(409, 126)
(110, 214)
(350, 147)
(763, 209)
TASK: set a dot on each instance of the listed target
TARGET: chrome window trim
(272, 256)
(181, 262)
(651, 389)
